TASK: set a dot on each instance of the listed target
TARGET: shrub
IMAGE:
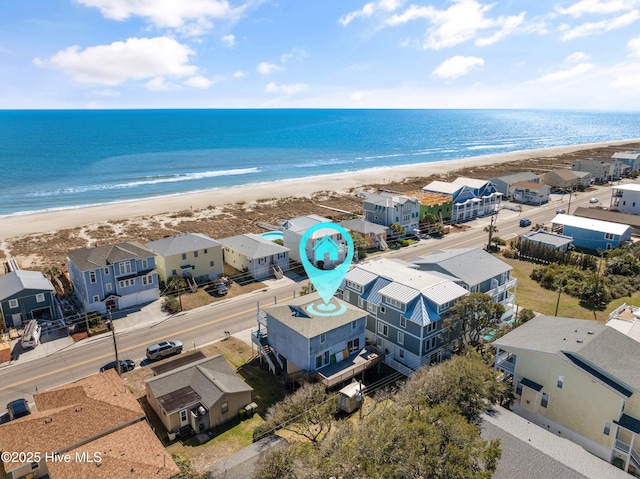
(171, 305)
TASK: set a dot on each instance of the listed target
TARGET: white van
(31, 335)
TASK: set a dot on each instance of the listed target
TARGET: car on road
(560, 211)
(524, 222)
(18, 408)
(163, 349)
(126, 365)
(593, 200)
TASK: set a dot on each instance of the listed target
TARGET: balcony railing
(507, 362)
(621, 446)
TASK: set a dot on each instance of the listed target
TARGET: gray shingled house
(26, 295)
(256, 255)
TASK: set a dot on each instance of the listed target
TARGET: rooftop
(565, 174)
(516, 177)
(545, 237)
(252, 245)
(530, 185)
(470, 182)
(431, 198)
(442, 187)
(363, 227)
(591, 224)
(88, 259)
(608, 215)
(20, 280)
(181, 243)
(627, 187)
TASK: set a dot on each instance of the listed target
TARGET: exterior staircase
(277, 271)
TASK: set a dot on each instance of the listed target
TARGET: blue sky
(582, 54)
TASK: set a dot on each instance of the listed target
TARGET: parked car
(593, 200)
(220, 288)
(524, 222)
(560, 211)
(163, 349)
(18, 408)
(125, 366)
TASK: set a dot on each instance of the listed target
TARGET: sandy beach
(17, 226)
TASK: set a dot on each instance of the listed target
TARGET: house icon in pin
(326, 246)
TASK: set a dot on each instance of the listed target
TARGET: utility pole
(115, 344)
(491, 231)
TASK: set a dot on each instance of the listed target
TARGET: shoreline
(18, 225)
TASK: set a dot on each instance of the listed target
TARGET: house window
(145, 263)
(372, 308)
(383, 328)
(545, 400)
(353, 345)
(96, 298)
(360, 302)
(354, 325)
(211, 263)
(401, 353)
(346, 295)
(184, 256)
(400, 337)
(323, 338)
(195, 254)
(106, 270)
(206, 251)
(383, 309)
(403, 322)
(40, 297)
(224, 408)
(127, 282)
(174, 272)
(147, 279)
(560, 381)
(13, 303)
(92, 276)
(108, 286)
(318, 361)
(519, 389)
(608, 236)
(183, 415)
(125, 267)
(607, 428)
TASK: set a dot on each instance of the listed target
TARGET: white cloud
(229, 40)
(297, 54)
(568, 74)
(577, 57)
(634, 47)
(457, 66)
(603, 26)
(191, 15)
(597, 6)
(287, 89)
(157, 84)
(134, 59)
(461, 22)
(369, 10)
(198, 81)
(627, 77)
(239, 74)
(107, 92)
(266, 68)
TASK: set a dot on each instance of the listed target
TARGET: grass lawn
(532, 296)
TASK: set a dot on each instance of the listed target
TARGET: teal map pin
(326, 282)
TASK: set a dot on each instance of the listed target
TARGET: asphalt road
(205, 325)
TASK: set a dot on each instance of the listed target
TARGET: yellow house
(188, 254)
(578, 379)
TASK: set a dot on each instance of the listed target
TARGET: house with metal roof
(626, 198)
(26, 295)
(95, 422)
(575, 378)
(592, 234)
(391, 208)
(256, 255)
(611, 216)
(200, 395)
(555, 241)
(631, 158)
(504, 184)
(304, 339)
(113, 277)
(188, 254)
(475, 270)
(295, 228)
(471, 197)
(375, 235)
(404, 308)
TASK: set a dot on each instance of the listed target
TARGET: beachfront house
(471, 198)
(590, 234)
(405, 308)
(626, 198)
(602, 169)
(554, 241)
(296, 337)
(295, 228)
(439, 205)
(561, 180)
(188, 254)
(26, 295)
(585, 178)
(476, 271)
(200, 395)
(255, 255)
(630, 158)
(573, 377)
(530, 193)
(504, 184)
(375, 235)
(611, 216)
(113, 277)
(95, 422)
(390, 208)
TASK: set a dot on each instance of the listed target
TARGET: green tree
(52, 272)
(526, 315)
(176, 283)
(397, 229)
(471, 315)
(429, 218)
(595, 294)
(279, 241)
(360, 244)
(307, 289)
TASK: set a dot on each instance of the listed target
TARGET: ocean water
(66, 159)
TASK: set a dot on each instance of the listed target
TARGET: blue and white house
(26, 295)
(113, 277)
(389, 208)
(471, 198)
(592, 234)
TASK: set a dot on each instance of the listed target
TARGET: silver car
(163, 349)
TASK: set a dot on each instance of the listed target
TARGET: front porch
(624, 445)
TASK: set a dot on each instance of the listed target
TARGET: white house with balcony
(626, 198)
(389, 208)
(471, 198)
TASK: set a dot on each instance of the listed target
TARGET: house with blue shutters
(113, 277)
(26, 295)
(389, 208)
(471, 198)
